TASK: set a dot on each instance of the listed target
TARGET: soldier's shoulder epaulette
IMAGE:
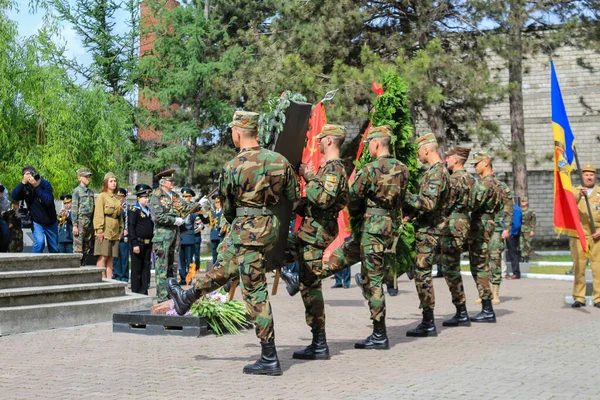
(156, 192)
(132, 208)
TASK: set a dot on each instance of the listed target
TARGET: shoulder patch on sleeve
(331, 178)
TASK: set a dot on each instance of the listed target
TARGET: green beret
(245, 120)
(375, 132)
(332, 130)
(424, 140)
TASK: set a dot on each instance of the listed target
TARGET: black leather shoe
(461, 318)
(337, 286)
(378, 340)
(578, 304)
(182, 299)
(317, 350)
(391, 291)
(361, 284)
(597, 305)
(267, 364)
(570, 272)
(487, 313)
(291, 281)
(426, 328)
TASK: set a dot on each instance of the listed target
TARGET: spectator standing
(65, 225)
(121, 263)
(13, 221)
(140, 228)
(82, 213)
(527, 229)
(187, 238)
(108, 224)
(513, 241)
(4, 203)
(37, 193)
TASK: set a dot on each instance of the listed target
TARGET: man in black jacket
(37, 193)
(141, 230)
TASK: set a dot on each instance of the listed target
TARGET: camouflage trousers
(370, 252)
(525, 244)
(428, 253)
(83, 241)
(479, 238)
(495, 248)
(16, 241)
(453, 242)
(164, 266)
(245, 262)
(310, 258)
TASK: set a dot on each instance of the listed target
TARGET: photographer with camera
(37, 193)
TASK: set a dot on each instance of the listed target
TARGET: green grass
(552, 258)
(536, 270)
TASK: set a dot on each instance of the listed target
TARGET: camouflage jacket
(379, 184)
(165, 210)
(529, 221)
(432, 201)
(461, 185)
(83, 204)
(326, 196)
(256, 178)
(504, 217)
(487, 200)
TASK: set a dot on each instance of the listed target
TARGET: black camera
(37, 177)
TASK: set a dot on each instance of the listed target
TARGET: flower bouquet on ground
(221, 315)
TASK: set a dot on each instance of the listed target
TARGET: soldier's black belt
(252, 211)
(382, 212)
(458, 215)
(322, 214)
(145, 241)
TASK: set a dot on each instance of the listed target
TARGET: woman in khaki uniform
(108, 224)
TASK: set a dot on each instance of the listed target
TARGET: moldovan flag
(566, 215)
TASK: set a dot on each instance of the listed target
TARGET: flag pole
(587, 200)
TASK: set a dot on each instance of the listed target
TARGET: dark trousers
(197, 253)
(186, 252)
(215, 245)
(65, 247)
(140, 269)
(121, 263)
(514, 253)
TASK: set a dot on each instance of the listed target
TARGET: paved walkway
(539, 349)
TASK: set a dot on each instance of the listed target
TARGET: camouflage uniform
(454, 239)
(326, 196)
(431, 221)
(502, 220)
(487, 203)
(82, 213)
(376, 197)
(528, 226)
(165, 209)
(16, 232)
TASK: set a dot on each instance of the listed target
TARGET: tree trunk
(515, 98)
(436, 123)
(191, 162)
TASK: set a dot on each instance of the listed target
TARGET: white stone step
(50, 277)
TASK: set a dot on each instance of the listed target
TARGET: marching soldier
(487, 203)
(527, 228)
(326, 196)
(430, 208)
(82, 214)
(248, 206)
(65, 225)
(454, 239)
(168, 210)
(140, 239)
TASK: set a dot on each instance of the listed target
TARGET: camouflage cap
(245, 120)
(332, 130)
(481, 156)
(424, 140)
(375, 132)
(461, 152)
(83, 172)
(588, 168)
(524, 198)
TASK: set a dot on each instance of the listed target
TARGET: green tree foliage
(50, 122)
(189, 70)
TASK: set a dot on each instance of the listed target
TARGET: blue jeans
(215, 245)
(121, 263)
(65, 247)
(342, 278)
(41, 234)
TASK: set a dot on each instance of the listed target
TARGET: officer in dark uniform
(187, 242)
(65, 226)
(141, 230)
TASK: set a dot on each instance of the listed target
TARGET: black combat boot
(361, 284)
(378, 340)
(183, 299)
(267, 364)
(426, 327)
(487, 313)
(461, 318)
(317, 350)
(390, 288)
(291, 281)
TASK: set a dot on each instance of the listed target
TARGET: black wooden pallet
(145, 323)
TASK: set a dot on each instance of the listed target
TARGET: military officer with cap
(326, 196)
(168, 212)
(82, 214)
(254, 231)
(592, 191)
(454, 237)
(429, 207)
(140, 239)
(65, 225)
